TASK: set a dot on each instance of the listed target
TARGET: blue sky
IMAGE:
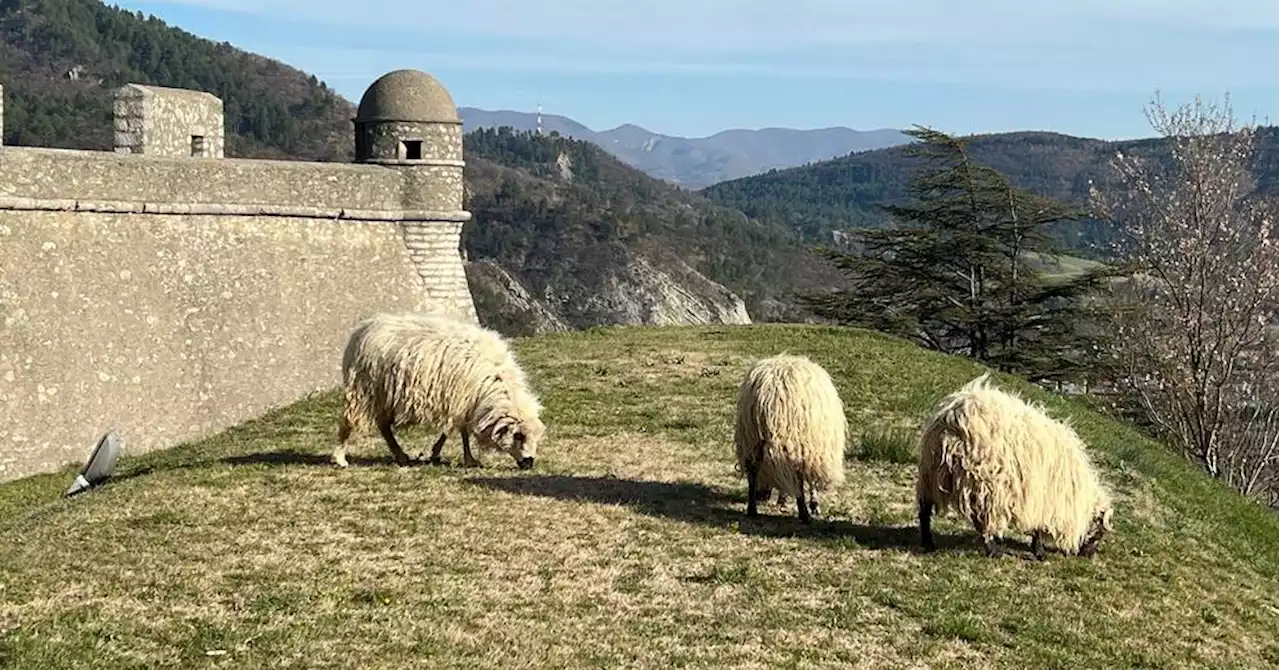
(694, 67)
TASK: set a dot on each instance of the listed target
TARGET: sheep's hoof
(340, 462)
(434, 460)
(929, 548)
(471, 464)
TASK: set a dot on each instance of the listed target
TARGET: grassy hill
(563, 215)
(626, 546)
(843, 193)
(60, 61)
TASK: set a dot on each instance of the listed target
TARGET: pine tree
(955, 272)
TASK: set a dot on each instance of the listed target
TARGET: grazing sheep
(1004, 463)
(404, 369)
(790, 431)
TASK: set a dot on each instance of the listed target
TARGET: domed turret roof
(407, 95)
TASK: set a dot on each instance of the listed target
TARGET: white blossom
(1199, 345)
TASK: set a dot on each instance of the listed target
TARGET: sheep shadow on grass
(697, 503)
(304, 458)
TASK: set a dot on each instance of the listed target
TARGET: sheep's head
(518, 437)
(1098, 528)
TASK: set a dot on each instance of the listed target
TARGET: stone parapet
(57, 174)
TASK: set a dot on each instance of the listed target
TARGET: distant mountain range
(702, 161)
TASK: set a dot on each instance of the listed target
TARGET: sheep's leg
(801, 505)
(1037, 545)
(437, 448)
(926, 517)
(763, 493)
(340, 451)
(468, 461)
(402, 459)
(753, 475)
(988, 541)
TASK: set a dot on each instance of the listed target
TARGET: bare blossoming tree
(1195, 329)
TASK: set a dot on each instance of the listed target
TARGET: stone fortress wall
(168, 292)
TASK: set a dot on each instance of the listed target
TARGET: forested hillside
(564, 215)
(61, 59)
(844, 193)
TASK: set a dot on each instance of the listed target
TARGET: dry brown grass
(626, 547)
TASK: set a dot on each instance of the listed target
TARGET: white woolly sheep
(1005, 464)
(405, 369)
(790, 431)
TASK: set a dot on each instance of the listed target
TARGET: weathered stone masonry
(170, 295)
(159, 121)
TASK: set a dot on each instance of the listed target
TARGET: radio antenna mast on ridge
(539, 118)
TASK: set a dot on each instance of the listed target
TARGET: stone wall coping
(421, 161)
(111, 156)
(214, 209)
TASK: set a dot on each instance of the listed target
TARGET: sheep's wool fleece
(791, 420)
(988, 452)
(428, 368)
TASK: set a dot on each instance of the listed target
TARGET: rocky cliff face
(505, 305)
(641, 292)
(644, 292)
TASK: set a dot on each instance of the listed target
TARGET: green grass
(626, 546)
(1060, 267)
(889, 444)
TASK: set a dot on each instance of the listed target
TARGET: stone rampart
(170, 298)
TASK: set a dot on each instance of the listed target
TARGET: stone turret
(407, 121)
(406, 117)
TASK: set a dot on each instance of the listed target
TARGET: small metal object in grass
(100, 464)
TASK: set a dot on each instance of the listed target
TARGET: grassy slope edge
(626, 547)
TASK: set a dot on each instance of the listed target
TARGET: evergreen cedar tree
(955, 271)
